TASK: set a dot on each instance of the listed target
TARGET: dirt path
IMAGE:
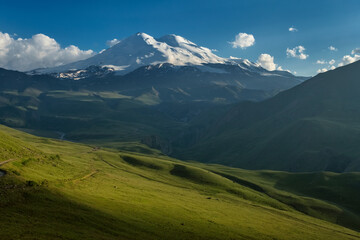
(2, 172)
(86, 176)
(9, 160)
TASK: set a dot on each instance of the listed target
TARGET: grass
(325, 195)
(64, 190)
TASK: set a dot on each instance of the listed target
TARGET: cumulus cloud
(39, 51)
(320, 62)
(330, 67)
(292, 29)
(113, 42)
(267, 61)
(332, 48)
(243, 40)
(347, 59)
(322, 70)
(297, 52)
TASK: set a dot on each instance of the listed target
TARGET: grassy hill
(312, 127)
(61, 190)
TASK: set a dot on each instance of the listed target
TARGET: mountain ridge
(311, 127)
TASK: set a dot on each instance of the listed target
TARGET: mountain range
(196, 110)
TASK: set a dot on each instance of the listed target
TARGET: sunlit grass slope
(61, 190)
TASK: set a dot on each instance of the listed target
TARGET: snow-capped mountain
(177, 68)
(142, 49)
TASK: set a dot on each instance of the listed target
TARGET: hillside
(125, 108)
(69, 191)
(311, 127)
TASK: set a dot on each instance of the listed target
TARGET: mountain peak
(137, 38)
(141, 49)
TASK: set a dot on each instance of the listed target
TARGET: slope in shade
(312, 127)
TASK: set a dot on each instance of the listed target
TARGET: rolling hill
(61, 190)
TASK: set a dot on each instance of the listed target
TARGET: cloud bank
(347, 59)
(39, 51)
(243, 40)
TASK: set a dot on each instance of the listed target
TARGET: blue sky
(213, 24)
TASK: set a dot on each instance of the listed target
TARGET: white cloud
(113, 42)
(297, 52)
(322, 70)
(214, 50)
(39, 51)
(267, 61)
(320, 62)
(292, 29)
(347, 59)
(356, 50)
(332, 48)
(332, 61)
(243, 40)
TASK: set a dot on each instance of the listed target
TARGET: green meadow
(62, 190)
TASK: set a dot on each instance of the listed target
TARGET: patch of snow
(116, 68)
